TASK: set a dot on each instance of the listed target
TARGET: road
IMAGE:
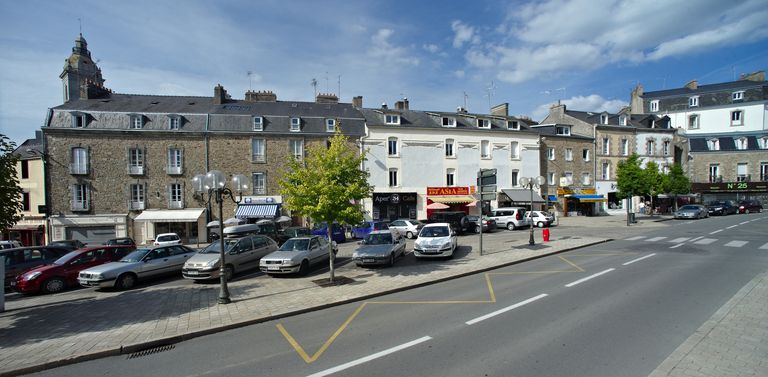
(615, 309)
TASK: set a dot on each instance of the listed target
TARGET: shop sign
(432, 191)
(730, 187)
(394, 198)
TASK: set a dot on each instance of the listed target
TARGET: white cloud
(463, 34)
(594, 103)
(433, 48)
(459, 73)
(522, 64)
(382, 48)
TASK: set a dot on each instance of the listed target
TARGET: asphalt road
(616, 309)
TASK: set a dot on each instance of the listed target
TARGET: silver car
(435, 240)
(379, 247)
(692, 211)
(406, 227)
(297, 255)
(141, 264)
(242, 253)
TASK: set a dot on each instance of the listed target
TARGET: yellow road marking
(571, 263)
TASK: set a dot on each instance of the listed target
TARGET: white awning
(171, 215)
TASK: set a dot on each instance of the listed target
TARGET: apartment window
(175, 161)
(393, 178)
(80, 196)
(551, 154)
(551, 178)
(737, 118)
(737, 96)
(330, 125)
(485, 149)
(714, 173)
(623, 120)
(606, 145)
(666, 147)
(392, 146)
(79, 120)
(568, 178)
(763, 142)
(568, 154)
(25, 201)
(606, 171)
(741, 172)
(584, 178)
(174, 122)
(258, 150)
(624, 147)
(449, 148)
(741, 143)
(136, 161)
(514, 150)
(137, 197)
(655, 106)
(450, 176)
(483, 123)
(79, 163)
(650, 147)
(297, 149)
(137, 122)
(24, 169)
(713, 144)
(561, 130)
(764, 171)
(258, 124)
(515, 177)
(604, 119)
(513, 125)
(449, 122)
(693, 122)
(693, 101)
(175, 196)
(259, 184)
(391, 119)
(295, 124)
(585, 154)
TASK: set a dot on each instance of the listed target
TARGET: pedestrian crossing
(701, 241)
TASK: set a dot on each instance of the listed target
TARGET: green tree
(10, 192)
(327, 185)
(654, 180)
(631, 179)
(676, 183)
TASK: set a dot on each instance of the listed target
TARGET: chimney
(636, 100)
(557, 112)
(265, 96)
(327, 98)
(357, 102)
(402, 105)
(754, 76)
(501, 109)
(384, 105)
(219, 95)
(692, 85)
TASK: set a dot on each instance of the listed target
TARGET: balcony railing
(137, 205)
(174, 169)
(743, 178)
(259, 191)
(136, 170)
(715, 178)
(175, 204)
(259, 158)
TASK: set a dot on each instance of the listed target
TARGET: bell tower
(79, 69)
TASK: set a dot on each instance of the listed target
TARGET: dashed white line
(369, 358)
(717, 231)
(676, 246)
(635, 238)
(705, 241)
(638, 259)
(589, 277)
(654, 239)
(764, 247)
(732, 226)
(742, 223)
(504, 310)
(679, 240)
(697, 238)
(736, 243)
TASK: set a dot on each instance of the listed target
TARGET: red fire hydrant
(545, 234)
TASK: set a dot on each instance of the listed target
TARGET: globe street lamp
(213, 183)
(531, 183)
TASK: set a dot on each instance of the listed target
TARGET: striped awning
(453, 199)
(256, 211)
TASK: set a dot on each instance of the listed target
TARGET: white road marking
(508, 308)
(589, 277)
(764, 247)
(717, 231)
(635, 238)
(676, 246)
(679, 240)
(369, 358)
(654, 239)
(736, 243)
(705, 241)
(697, 238)
(742, 223)
(732, 226)
(638, 259)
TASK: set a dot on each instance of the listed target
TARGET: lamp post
(531, 183)
(213, 183)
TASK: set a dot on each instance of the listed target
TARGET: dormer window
(622, 120)
(79, 120)
(258, 124)
(604, 119)
(713, 144)
(655, 106)
(483, 123)
(741, 143)
(295, 124)
(513, 125)
(330, 125)
(693, 101)
(563, 130)
(763, 142)
(392, 119)
(174, 122)
(737, 96)
(137, 121)
(449, 122)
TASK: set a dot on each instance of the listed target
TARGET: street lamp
(531, 183)
(213, 183)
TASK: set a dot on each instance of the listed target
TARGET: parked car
(143, 263)
(123, 241)
(243, 252)
(750, 206)
(379, 247)
(489, 224)
(22, 259)
(457, 219)
(164, 239)
(266, 227)
(722, 207)
(67, 244)
(692, 211)
(63, 272)
(337, 232)
(539, 218)
(291, 232)
(9, 244)
(298, 255)
(435, 240)
(406, 227)
(510, 217)
(362, 230)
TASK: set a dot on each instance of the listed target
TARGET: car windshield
(298, 244)
(297, 232)
(364, 224)
(378, 239)
(66, 257)
(435, 231)
(717, 203)
(166, 238)
(683, 208)
(215, 248)
(135, 256)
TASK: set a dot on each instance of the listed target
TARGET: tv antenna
(466, 96)
(339, 81)
(249, 73)
(313, 82)
(490, 91)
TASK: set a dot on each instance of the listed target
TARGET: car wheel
(409, 235)
(229, 271)
(53, 285)
(391, 259)
(746, 211)
(125, 281)
(511, 226)
(540, 224)
(304, 269)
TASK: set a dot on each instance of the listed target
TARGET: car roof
(381, 232)
(433, 225)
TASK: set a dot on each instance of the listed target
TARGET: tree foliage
(327, 185)
(10, 192)
(631, 179)
(676, 183)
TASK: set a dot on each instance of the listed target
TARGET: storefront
(255, 208)
(580, 202)
(90, 229)
(735, 191)
(189, 224)
(28, 235)
(522, 198)
(394, 205)
(451, 199)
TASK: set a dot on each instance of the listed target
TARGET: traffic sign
(487, 196)
(488, 188)
(485, 181)
(486, 172)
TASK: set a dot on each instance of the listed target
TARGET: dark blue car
(364, 229)
(337, 232)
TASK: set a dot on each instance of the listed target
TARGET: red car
(56, 277)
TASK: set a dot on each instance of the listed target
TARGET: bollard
(545, 234)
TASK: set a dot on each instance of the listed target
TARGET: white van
(510, 217)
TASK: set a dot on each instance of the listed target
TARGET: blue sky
(587, 53)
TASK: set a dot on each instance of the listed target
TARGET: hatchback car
(750, 206)
(539, 218)
(167, 239)
(406, 227)
(143, 263)
(63, 272)
(489, 224)
(435, 240)
(337, 232)
(22, 259)
(379, 247)
(9, 244)
(722, 207)
(298, 255)
(362, 230)
(242, 253)
(691, 211)
(123, 241)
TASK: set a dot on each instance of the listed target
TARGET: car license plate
(192, 272)
(369, 260)
(273, 268)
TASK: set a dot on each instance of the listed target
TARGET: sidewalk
(42, 332)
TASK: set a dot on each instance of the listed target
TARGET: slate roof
(30, 149)
(726, 86)
(551, 130)
(727, 143)
(433, 119)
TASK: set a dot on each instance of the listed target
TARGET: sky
(588, 54)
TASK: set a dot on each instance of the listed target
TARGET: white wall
(718, 119)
